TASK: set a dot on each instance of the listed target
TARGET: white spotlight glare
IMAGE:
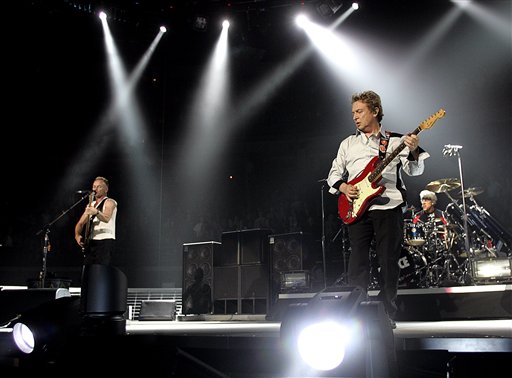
(355, 6)
(225, 24)
(301, 20)
(102, 15)
(163, 29)
(23, 337)
(322, 345)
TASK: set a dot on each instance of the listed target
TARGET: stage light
(328, 8)
(46, 328)
(322, 345)
(200, 23)
(339, 332)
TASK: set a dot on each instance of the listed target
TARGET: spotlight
(339, 332)
(200, 23)
(45, 329)
(328, 8)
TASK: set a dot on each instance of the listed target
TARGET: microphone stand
(323, 181)
(46, 244)
(450, 150)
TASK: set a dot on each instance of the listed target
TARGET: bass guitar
(88, 226)
(368, 180)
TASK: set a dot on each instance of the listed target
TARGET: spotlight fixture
(46, 328)
(200, 23)
(328, 8)
(339, 333)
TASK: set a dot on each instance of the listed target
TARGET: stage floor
(250, 345)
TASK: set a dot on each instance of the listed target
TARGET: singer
(99, 220)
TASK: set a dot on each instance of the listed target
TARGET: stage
(460, 340)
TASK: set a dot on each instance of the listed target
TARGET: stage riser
(455, 306)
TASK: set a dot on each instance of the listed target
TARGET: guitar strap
(99, 206)
(383, 144)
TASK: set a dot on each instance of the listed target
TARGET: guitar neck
(385, 162)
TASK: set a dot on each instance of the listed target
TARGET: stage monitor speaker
(157, 310)
(198, 276)
(295, 252)
(16, 301)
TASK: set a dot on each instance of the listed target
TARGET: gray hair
(427, 194)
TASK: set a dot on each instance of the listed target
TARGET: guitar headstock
(429, 122)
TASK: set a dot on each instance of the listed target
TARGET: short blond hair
(105, 180)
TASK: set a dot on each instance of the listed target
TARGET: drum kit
(436, 253)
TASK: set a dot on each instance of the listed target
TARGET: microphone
(451, 149)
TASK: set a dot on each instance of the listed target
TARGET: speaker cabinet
(294, 252)
(198, 276)
(254, 246)
(242, 289)
(244, 247)
(226, 284)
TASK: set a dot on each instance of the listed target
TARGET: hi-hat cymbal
(443, 185)
(471, 192)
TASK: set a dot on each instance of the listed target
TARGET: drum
(414, 234)
(413, 268)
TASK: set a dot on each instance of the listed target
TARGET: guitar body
(351, 210)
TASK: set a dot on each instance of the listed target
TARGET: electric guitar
(367, 181)
(88, 227)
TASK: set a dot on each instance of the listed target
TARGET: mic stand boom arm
(46, 244)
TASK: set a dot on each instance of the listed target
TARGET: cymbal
(443, 185)
(471, 192)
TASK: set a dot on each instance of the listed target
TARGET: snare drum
(414, 234)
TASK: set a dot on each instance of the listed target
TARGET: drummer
(429, 212)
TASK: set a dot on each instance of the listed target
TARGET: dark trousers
(386, 226)
(99, 252)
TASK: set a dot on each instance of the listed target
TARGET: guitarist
(99, 245)
(383, 218)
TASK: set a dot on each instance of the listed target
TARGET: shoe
(392, 323)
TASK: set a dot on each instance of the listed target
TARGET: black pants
(99, 252)
(387, 228)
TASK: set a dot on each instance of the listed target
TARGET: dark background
(55, 139)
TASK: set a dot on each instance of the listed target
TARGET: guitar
(88, 226)
(367, 181)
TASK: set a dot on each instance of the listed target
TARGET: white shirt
(354, 154)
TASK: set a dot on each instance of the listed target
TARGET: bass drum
(413, 268)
